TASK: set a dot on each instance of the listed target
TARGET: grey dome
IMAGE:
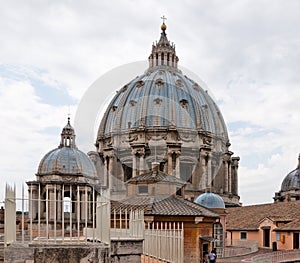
(162, 97)
(210, 200)
(67, 161)
(291, 181)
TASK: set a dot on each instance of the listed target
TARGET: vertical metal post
(78, 213)
(93, 213)
(71, 211)
(54, 212)
(63, 213)
(31, 212)
(86, 211)
(47, 212)
(39, 214)
(23, 232)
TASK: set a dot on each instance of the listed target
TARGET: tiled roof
(156, 178)
(249, 217)
(292, 226)
(170, 206)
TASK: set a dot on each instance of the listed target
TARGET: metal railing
(237, 247)
(278, 256)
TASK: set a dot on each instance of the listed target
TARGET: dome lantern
(163, 53)
(68, 136)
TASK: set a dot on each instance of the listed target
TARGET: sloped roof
(151, 177)
(292, 226)
(249, 217)
(158, 205)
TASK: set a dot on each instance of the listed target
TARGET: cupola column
(229, 177)
(225, 174)
(235, 161)
(59, 203)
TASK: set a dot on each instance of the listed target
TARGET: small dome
(210, 200)
(292, 180)
(66, 159)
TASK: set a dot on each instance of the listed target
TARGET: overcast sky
(247, 52)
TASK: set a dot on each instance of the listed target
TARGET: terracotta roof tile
(249, 217)
(171, 206)
(159, 177)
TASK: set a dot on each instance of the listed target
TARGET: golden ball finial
(163, 27)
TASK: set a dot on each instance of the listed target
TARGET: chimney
(299, 162)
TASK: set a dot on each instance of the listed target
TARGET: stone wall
(126, 251)
(122, 251)
(57, 254)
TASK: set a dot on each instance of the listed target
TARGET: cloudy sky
(247, 52)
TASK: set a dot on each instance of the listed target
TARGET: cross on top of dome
(163, 26)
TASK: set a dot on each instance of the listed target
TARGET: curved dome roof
(67, 159)
(292, 180)
(163, 97)
(210, 200)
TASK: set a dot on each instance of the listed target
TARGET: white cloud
(246, 51)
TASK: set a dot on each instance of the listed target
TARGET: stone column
(203, 181)
(142, 163)
(83, 204)
(235, 178)
(170, 163)
(110, 172)
(134, 165)
(105, 172)
(51, 204)
(177, 166)
(225, 173)
(209, 177)
(59, 204)
(229, 177)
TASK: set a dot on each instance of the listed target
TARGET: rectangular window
(278, 237)
(243, 235)
(143, 189)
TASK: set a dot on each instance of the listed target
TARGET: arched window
(67, 204)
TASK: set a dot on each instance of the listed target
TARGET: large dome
(67, 159)
(163, 96)
(165, 117)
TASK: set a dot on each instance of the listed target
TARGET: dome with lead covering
(292, 180)
(67, 159)
(210, 200)
(162, 97)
